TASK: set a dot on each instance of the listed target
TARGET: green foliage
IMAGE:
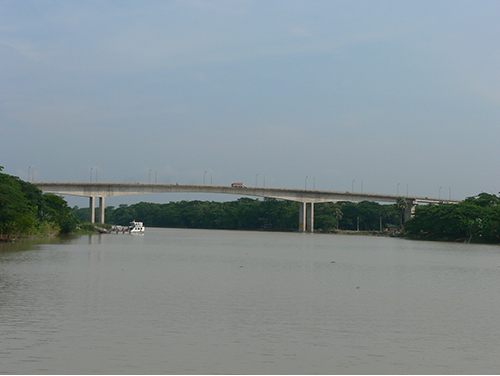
(402, 205)
(327, 216)
(16, 210)
(83, 214)
(345, 215)
(475, 219)
(58, 211)
(244, 213)
(24, 210)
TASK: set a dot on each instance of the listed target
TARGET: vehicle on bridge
(238, 185)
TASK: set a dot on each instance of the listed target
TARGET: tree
(56, 210)
(327, 216)
(402, 206)
(13, 205)
(476, 219)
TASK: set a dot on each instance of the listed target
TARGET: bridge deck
(104, 189)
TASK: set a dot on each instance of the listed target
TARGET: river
(178, 301)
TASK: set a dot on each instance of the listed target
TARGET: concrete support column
(101, 209)
(302, 216)
(92, 209)
(410, 211)
(310, 217)
(306, 216)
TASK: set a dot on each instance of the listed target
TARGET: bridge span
(306, 197)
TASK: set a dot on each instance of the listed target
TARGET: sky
(379, 96)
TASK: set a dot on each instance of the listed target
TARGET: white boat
(136, 227)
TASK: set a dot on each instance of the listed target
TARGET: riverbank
(392, 234)
(8, 237)
(50, 232)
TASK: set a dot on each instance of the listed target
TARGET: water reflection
(96, 238)
(28, 244)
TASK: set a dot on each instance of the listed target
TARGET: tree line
(252, 214)
(476, 219)
(25, 210)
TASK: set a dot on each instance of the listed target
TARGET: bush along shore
(26, 212)
(474, 220)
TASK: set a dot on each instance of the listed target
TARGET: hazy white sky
(379, 92)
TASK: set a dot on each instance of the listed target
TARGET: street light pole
(352, 186)
(91, 168)
(256, 179)
(204, 177)
(305, 186)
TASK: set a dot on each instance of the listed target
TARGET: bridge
(306, 197)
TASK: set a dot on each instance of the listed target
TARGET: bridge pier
(306, 216)
(410, 210)
(101, 209)
(92, 209)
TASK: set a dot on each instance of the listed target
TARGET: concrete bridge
(306, 197)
